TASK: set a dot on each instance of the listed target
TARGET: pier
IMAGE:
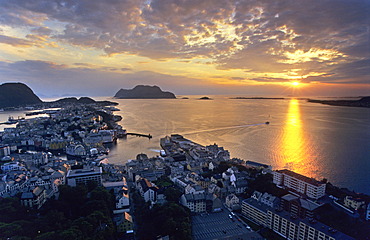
(140, 135)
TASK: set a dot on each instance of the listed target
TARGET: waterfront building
(258, 166)
(84, 176)
(299, 183)
(354, 203)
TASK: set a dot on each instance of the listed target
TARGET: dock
(140, 135)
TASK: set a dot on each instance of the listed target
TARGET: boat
(163, 153)
(267, 122)
(11, 120)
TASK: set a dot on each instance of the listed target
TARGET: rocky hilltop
(143, 92)
(17, 94)
(363, 102)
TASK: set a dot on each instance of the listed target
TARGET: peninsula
(363, 102)
(143, 92)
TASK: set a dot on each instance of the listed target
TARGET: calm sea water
(312, 139)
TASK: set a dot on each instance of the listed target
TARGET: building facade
(84, 176)
(299, 183)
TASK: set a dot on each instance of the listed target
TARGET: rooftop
(300, 177)
(84, 172)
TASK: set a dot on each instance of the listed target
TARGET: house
(124, 223)
(34, 199)
(270, 200)
(147, 189)
(201, 202)
(194, 189)
(123, 202)
(232, 202)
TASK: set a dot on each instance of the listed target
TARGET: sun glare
(295, 84)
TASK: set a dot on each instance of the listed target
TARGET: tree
(172, 194)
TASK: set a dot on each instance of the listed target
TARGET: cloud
(16, 42)
(257, 36)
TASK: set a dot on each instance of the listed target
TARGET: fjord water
(315, 140)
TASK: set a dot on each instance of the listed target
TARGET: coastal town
(188, 191)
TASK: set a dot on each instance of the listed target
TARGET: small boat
(267, 122)
(11, 120)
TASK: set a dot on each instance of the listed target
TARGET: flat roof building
(84, 176)
(301, 184)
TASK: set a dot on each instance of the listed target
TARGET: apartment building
(301, 184)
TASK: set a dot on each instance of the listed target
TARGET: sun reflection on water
(295, 151)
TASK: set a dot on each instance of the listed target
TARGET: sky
(248, 48)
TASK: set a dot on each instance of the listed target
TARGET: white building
(299, 183)
(84, 176)
(290, 228)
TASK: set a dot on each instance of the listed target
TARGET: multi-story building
(302, 229)
(84, 176)
(4, 150)
(298, 207)
(36, 198)
(255, 211)
(354, 203)
(201, 202)
(148, 190)
(283, 223)
(299, 183)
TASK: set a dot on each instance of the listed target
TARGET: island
(81, 100)
(143, 92)
(17, 94)
(205, 98)
(363, 102)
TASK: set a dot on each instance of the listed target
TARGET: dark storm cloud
(253, 35)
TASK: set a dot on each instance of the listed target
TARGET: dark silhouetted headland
(363, 102)
(143, 92)
(17, 94)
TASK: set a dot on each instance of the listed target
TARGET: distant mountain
(363, 102)
(17, 94)
(143, 92)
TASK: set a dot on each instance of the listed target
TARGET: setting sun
(295, 84)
